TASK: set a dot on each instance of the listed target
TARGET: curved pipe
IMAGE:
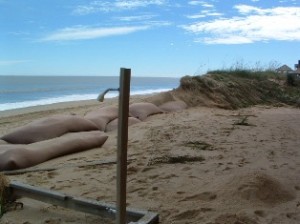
(100, 98)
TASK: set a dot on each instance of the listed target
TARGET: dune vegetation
(237, 88)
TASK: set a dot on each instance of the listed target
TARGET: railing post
(125, 75)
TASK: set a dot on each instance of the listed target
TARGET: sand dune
(198, 165)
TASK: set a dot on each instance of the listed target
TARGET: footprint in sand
(155, 176)
(52, 221)
(53, 187)
(132, 170)
(52, 174)
(242, 162)
(62, 187)
(206, 209)
(168, 176)
(234, 219)
(75, 159)
(133, 189)
(293, 215)
(186, 215)
(186, 168)
(147, 168)
(260, 213)
(204, 196)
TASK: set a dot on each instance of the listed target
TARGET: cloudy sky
(153, 38)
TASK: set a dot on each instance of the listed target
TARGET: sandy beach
(199, 165)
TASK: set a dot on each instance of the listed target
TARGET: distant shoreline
(40, 108)
(69, 105)
(21, 92)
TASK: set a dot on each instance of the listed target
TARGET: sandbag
(113, 125)
(22, 156)
(102, 116)
(173, 106)
(142, 110)
(47, 128)
(2, 142)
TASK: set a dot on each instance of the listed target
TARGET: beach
(199, 165)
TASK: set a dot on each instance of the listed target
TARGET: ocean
(26, 91)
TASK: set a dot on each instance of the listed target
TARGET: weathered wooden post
(125, 75)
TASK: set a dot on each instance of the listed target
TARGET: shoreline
(45, 92)
(48, 107)
(68, 105)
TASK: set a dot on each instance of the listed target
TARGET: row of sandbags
(59, 135)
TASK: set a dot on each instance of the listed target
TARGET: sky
(153, 38)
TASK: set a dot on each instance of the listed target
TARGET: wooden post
(125, 75)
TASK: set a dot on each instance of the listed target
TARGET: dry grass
(199, 145)
(236, 89)
(175, 159)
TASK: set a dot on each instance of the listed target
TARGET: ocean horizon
(26, 91)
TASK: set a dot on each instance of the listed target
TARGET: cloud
(226, 40)
(135, 18)
(117, 5)
(204, 13)
(208, 11)
(157, 23)
(247, 9)
(254, 24)
(201, 3)
(137, 3)
(12, 62)
(84, 33)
